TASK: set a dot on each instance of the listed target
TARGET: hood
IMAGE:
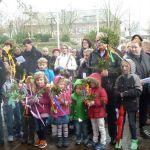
(57, 78)
(95, 77)
(78, 82)
(132, 65)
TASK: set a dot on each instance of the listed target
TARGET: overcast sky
(139, 9)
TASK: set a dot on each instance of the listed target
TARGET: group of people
(85, 87)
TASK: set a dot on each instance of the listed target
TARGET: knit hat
(95, 77)
(77, 82)
(132, 65)
(57, 78)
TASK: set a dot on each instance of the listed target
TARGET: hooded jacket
(78, 109)
(98, 109)
(130, 87)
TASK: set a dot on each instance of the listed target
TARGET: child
(40, 108)
(79, 113)
(128, 90)
(43, 66)
(96, 111)
(28, 120)
(11, 107)
(61, 116)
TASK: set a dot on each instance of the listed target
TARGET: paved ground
(143, 144)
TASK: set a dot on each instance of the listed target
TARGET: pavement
(16, 145)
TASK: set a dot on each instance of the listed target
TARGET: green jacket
(78, 109)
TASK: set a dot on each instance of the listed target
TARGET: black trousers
(111, 116)
(143, 109)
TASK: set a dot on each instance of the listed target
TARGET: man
(142, 62)
(108, 80)
(31, 55)
(2, 80)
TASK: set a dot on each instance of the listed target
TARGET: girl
(96, 111)
(63, 107)
(40, 108)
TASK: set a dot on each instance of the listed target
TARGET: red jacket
(98, 109)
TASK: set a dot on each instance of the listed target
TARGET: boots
(134, 144)
(118, 145)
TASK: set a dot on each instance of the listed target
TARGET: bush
(20, 37)
(91, 36)
(3, 38)
(42, 37)
(65, 38)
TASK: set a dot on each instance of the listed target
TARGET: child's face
(40, 81)
(125, 68)
(42, 66)
(92, 84)
(45, 51)
(62, 85)
(78, 89)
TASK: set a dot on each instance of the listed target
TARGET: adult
(19, 67)
(31, 55)
(142, 61)
(66, 61)
(84, 70)
(2, 80)
(108, 81)
(45, 54)
(86, 43)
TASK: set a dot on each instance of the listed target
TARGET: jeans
(81, 129)
(13, 119)
(1, 126)
(132, 123)
(41, 128)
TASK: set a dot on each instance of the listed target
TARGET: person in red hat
(96, 111)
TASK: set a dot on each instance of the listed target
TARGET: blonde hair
(38, 75)
(42, 60)
(137, 41)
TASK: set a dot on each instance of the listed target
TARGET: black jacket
(131, 89)
(30, 65)
(2, 73)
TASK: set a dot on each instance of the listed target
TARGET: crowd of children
(44, 99)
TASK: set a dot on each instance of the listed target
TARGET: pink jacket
(64, 101)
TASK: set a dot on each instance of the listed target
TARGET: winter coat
(113, 71)
(130, 87)
(142, 67)
(98, 109)
(30, 65)
(43, 105)
(78, 109)
(64, 101)
(2, 73)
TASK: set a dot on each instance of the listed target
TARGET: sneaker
(78, 142)
(144, 133)
(118, 145)
(10, 138)
(30, 142)
(60, 142)
(65, 142)
(37, 143)
(134, 144)
(91, 144)
(113, 141)
(42, 144)
(100, 147)
(24, 141)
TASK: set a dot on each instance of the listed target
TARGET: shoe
(91, 144)
(60, 142)
(134, 144)
(10, 138)
(37, 143)
(113, 141)
(78, 142)
(24, 141)
(144, 133)
(42, 144)
(65, 142)
(100, 147)
(118, 145)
